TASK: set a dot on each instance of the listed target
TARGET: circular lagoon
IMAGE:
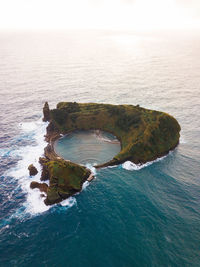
(82, 147)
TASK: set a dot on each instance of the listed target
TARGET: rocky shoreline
(61, 184)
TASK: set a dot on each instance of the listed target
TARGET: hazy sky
(111, 14)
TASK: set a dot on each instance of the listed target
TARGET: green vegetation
(66, 179)
(144, 134)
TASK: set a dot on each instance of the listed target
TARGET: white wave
(104, 139)
(93, 170)
(182, 140)
(113, 166)
(35, 203)
(21, 235)
(85, 185)
(69, 202)
(91, 167)
(30, 155)
(29, 126)
(4, 228)
(99, 135)
(5, 152)
(130, 166)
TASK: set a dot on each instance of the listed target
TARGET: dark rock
(41, 186)
(49, 152)
(32, 170)
(43, 160)
(45, 173)
(46, 112)
(52, 132)
(48, 202)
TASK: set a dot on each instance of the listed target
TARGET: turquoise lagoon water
(128, 215)
(87, 147)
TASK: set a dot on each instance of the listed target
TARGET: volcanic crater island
(144, 135)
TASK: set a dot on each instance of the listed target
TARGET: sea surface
(129, 215)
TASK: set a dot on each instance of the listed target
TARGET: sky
(99, 14)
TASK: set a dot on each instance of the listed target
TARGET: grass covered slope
(144, 134)
(66, 179)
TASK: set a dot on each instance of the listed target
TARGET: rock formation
(66, 179)
(41, 186)
(46, 112)
(32, 170)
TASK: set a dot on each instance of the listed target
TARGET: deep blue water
(144, 217)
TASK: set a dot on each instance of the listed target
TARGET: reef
(144, 136)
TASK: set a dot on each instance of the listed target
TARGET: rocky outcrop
(53, 133)
(49, 152)
(90, 178)
(32, 170)
(46, 112)
(41, 186)
(66, 179)
(45, 172)
(43, 160)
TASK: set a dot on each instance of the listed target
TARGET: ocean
(128, 215)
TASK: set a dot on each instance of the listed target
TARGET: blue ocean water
(127, 216)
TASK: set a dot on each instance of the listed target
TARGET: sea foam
(69, 202)
(30, 154)
(130, 166)
(182, 140)
(91, 167)
(34, 131)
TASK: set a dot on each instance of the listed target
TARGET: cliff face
(144, 134)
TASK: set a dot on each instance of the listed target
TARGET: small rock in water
(46, 112)
(90, 178)
(32, 170)
(41, 186)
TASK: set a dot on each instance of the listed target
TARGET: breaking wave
(33, 131)
(130, 166)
